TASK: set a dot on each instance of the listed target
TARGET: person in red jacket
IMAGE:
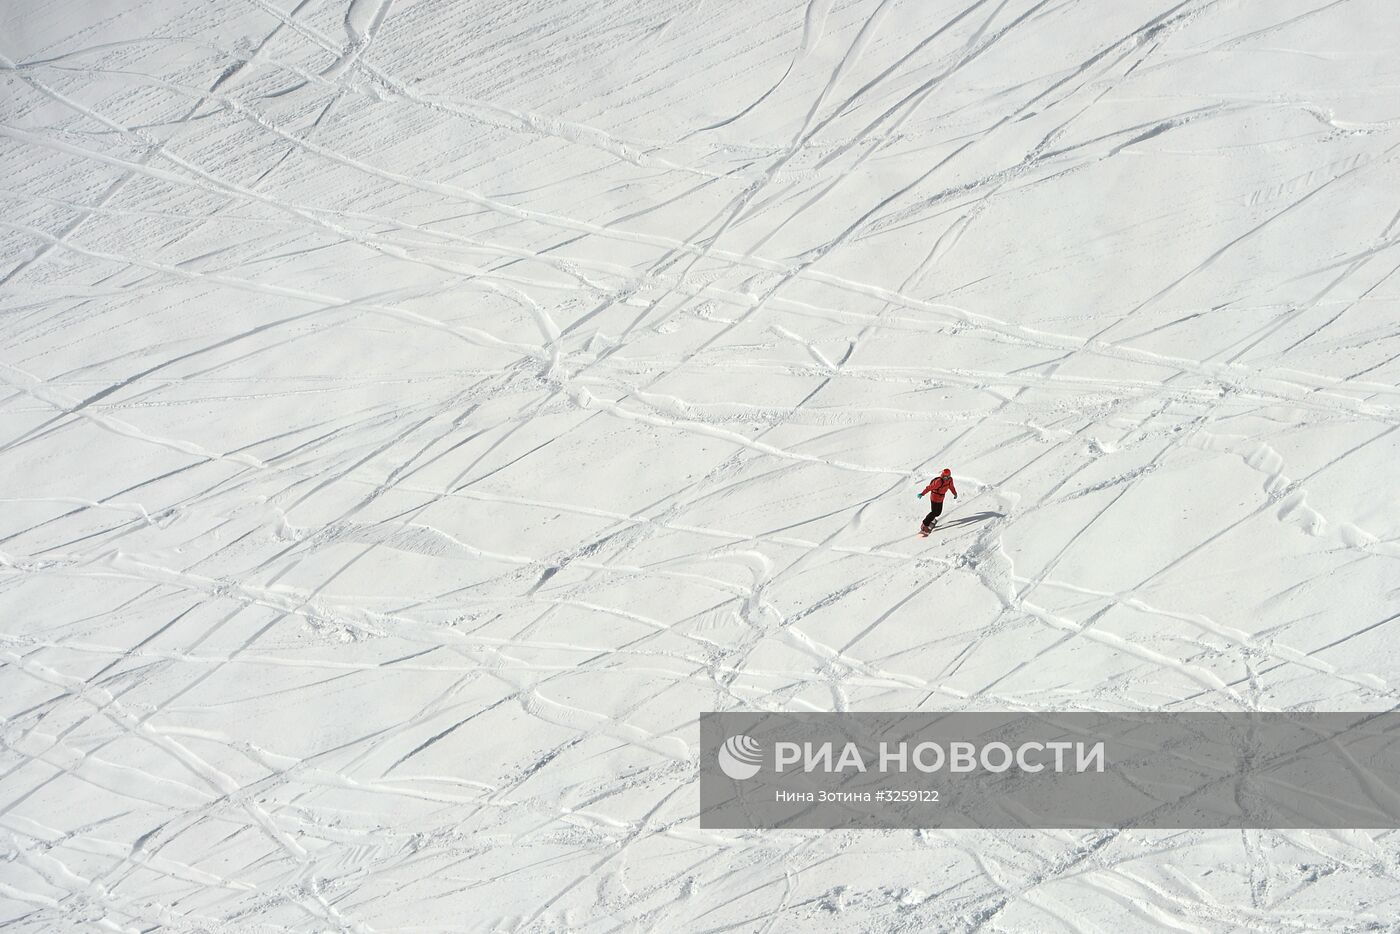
(939, 487)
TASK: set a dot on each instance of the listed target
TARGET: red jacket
(940, 487)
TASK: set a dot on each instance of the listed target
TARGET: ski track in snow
(413, 414)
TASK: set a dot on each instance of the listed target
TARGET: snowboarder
(938, 487)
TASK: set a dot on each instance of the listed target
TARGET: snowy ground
(415, 413)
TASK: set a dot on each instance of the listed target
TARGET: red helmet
(947, 472)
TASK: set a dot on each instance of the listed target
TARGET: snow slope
(415, 413)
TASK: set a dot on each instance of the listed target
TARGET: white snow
(415, 413)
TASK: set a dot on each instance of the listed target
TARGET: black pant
(933, 513)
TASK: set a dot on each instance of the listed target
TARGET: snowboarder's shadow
(973, 519)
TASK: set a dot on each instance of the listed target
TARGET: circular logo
(740, 757)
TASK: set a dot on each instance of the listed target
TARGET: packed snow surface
(415, 413)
